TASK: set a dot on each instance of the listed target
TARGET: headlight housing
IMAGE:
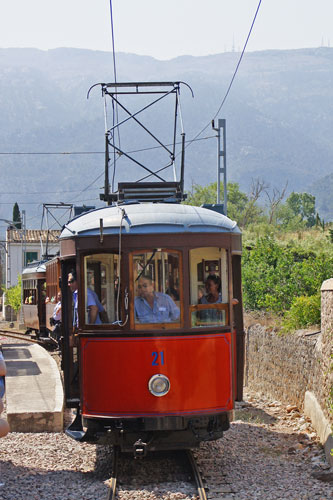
(159, 385)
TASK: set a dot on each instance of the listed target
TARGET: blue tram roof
(34, 267)
(148, 218)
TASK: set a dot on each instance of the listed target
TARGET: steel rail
(196, 475)
(24, 336)
(113, 478)
(19, 336)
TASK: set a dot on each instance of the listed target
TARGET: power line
(240, 60)
(68, 153)
(113, 48)
(44, 192)
(116, 107)
(233, 76)
(39, 203)
(98, 177)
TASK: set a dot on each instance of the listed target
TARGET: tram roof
(148, 218)
(34, 267)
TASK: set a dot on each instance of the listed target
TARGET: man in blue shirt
(154, 307)
(93, 304)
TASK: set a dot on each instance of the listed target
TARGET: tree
(252, 212)
(241, 208)
(304, 205)
(13, 295)
(17, 216)
(274, 199)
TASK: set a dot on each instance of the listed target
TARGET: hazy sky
(166, 29)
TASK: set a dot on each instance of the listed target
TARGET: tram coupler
(139, 449)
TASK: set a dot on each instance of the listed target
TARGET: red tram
(153, 340)
(40, 285)
(34, 294)
(141, 382)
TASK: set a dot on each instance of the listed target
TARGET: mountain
(278, 114)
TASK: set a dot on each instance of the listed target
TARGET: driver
(154, 307)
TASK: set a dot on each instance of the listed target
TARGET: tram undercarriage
(140, 435)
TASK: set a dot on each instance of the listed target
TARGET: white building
(24, 246)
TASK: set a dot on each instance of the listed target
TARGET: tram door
(41, 296)
(69, 346)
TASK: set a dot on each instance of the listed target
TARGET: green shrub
(13, 295)
(274, 274)
(304, 312)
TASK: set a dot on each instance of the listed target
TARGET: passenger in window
(213, 290)
(213, 296)
(154, 307)
(94, 306)
(171, 290)
(201, 293)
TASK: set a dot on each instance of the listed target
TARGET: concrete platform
(34, 392)
(321, 425)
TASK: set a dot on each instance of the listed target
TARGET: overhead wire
(100, 152)
(233, 76)
(39, 203)
(114, 108)
(97, 178)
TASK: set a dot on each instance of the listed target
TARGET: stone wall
(284, 367)
(325, 392)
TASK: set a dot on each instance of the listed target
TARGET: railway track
(185, 457)
(14, 334)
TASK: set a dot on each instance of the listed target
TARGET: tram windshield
(157, 287)
(101, 285)
(209, 287)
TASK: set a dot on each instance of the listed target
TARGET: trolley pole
(221, 169)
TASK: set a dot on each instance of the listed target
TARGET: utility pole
(23, 236)
(221, 152)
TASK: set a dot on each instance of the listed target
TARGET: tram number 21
(158, 358)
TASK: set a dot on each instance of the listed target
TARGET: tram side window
(157, 287)
(209, 287)
(30, 291)
(101, 285)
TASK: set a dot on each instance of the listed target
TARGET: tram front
(160, 364)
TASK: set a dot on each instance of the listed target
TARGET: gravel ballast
(270, 452)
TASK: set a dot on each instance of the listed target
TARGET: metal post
(218, 185)
(24, 232)
(8, 276)
(23, 242)
(221, 152)
(106, 175)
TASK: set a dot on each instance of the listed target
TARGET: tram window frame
(205, 261)
(29, 285)
(112, 321)
(134, 324)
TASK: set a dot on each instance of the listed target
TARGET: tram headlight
(159, 385)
